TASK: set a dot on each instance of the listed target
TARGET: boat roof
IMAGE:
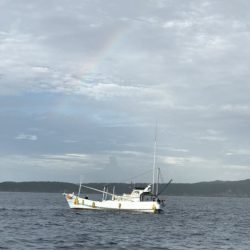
(139, 188)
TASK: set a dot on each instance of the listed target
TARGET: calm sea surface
(44, 221)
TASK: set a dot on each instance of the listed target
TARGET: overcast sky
(82, 84)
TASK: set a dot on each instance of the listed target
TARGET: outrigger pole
(107, 193)
(104, 192)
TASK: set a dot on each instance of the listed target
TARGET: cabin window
(146, 198)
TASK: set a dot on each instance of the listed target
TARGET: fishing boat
(141, 199)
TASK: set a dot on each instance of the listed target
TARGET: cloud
(240, 109)
(212, 135)
(41, 69)
(182, 161)
(212, 138)
(178, 24)
(181, 150)
(36, 167)
(26, 137)
(239, 152)
(237, 167)
(67, 157)
(69, 141)
(93, 77)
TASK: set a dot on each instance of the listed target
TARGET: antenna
(154, 164)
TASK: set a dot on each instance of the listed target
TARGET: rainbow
(109, 45)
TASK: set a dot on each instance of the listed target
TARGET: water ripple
(43, 221)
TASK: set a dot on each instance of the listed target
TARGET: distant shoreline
(208, 189)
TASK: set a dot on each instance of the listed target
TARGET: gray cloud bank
(82, 83)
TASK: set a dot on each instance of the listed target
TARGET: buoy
(76, 202)
(154, 208)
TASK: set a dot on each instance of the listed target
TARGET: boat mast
(154, 164)
(104, 190)
(158, 180)
(79, 191)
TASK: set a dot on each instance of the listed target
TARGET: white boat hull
(76, 202)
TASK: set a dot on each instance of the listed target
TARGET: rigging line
(162, 179)
(131, 178)
(164, 187)
(162, 175)
(139, 175)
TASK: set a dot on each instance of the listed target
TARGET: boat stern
(157, 207)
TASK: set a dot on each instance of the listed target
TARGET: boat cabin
(138, 194)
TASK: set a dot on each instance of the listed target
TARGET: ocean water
(44, 221)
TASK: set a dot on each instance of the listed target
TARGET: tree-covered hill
(214, 188)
